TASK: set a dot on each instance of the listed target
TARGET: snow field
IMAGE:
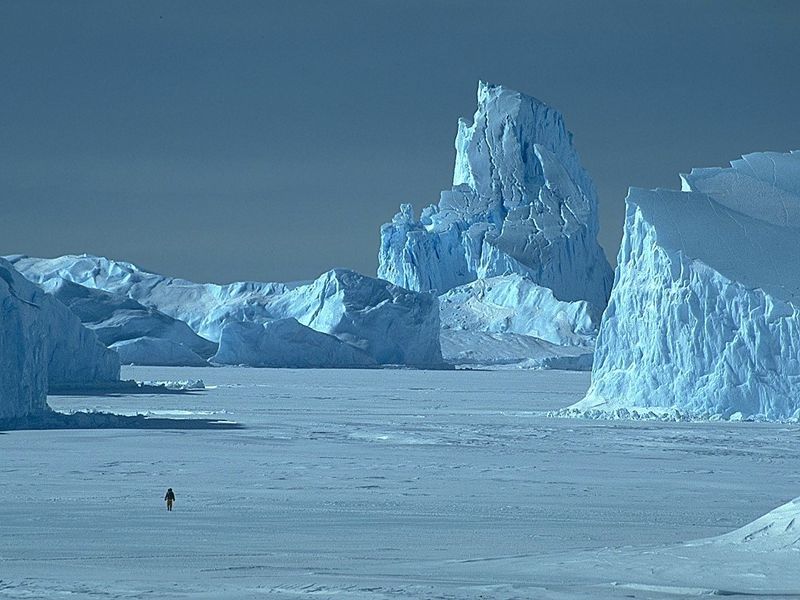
(386, 484)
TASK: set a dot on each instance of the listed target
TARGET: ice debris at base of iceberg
(704, 316)
(673, 415)
(43, 346)
(521, 203)
(285, 343)
(180, 385)
(389, 324)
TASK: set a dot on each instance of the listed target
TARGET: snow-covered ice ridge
(43, 346)
(384, 323)
(521, 203)
(139, 335)
(703, 317)
(514, 304)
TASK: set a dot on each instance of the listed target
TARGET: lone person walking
(170, 498)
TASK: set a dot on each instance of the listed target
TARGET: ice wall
(390, 324)
(23, 356)
(43, 346)
(521, 203)
(703, 317)
(285, 343)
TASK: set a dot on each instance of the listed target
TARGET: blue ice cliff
(43, 346)
(704, 317)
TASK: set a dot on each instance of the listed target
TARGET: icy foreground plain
(391, 484)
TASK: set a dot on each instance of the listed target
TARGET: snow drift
(521, 203)
(703, 317)
(43, 346)
(389, 324)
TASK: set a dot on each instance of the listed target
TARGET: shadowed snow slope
(141, 335)
(779, 529)
(390, 324)
(43, 345)
(521, 203)
(703, 316)
(285, 343)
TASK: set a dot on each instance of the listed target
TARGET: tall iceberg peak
(704, 316)
(521, 203)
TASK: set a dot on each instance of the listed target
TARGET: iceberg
(704, 316)
(484, 350)
(43, 347)
(162, 352)
(285, 343)
(514, 304)
(140, 335)
(390, 324)
(520, 203)
(23, 367)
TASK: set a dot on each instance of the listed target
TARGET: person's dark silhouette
(170, 498)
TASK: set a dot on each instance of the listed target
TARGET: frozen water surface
(388, 484)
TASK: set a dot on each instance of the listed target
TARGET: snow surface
(390, 324)
(285, 343)
(43, 346)
(405, 484)
(521, 203)
(704, 316)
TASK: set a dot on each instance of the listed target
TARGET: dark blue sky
(270, 140)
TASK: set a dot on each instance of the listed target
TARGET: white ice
(369, 484)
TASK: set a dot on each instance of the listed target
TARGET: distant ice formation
(704, 317)
(140, 335)
(389, 324)
(43, 346)
(285, 343)
(521, 203)
(514, 304)
(481, 349)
